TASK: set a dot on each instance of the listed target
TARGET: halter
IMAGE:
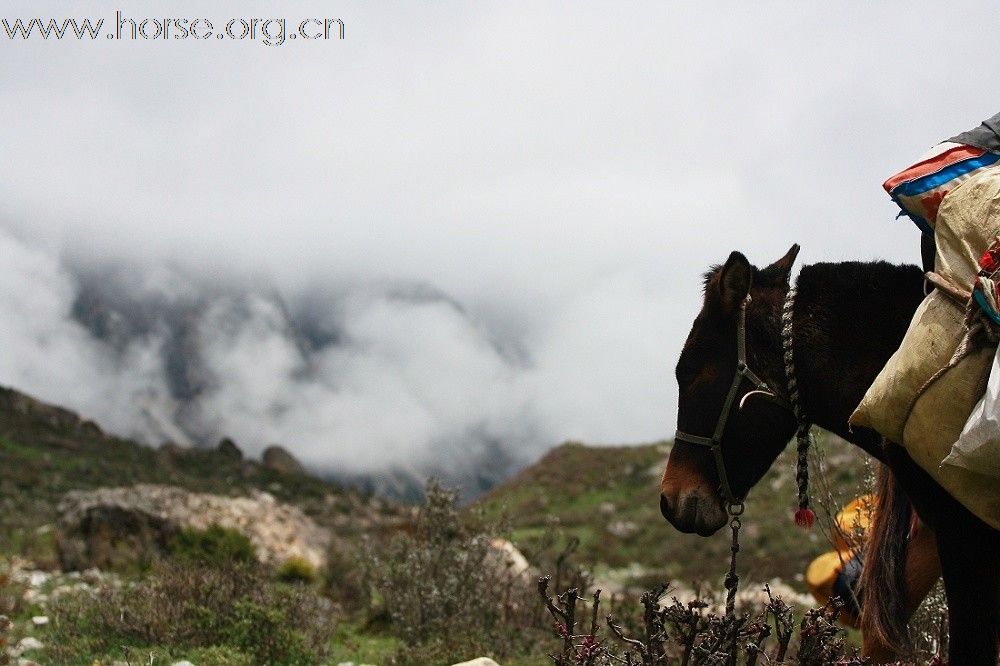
(714, 443)
(735, 506)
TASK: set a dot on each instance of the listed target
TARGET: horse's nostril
(665, 508)
(688, 509)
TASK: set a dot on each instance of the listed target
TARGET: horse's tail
(883, 579)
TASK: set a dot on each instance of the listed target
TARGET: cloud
(360, 380)
(464, 225)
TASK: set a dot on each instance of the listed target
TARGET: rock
(481, 661)
(184, 662)
(623, 529)
(27, 644)
(228, 448)
(38, 578)
(508, 559)
(40, 620)
(109, 526)
(278, 458)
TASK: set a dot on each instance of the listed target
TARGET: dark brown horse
(848, 320)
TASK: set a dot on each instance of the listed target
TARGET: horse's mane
(880, 278)
(862, 301)
(875, 276)
(873, 286)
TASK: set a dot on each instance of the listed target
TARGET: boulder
(481, 661)
(507, 560)
(109, 526)
(227, 447)
(278, 458)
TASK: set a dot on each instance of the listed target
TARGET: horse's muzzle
(692, 513)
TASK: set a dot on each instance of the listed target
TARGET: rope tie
(804, 517)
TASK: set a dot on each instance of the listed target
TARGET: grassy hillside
(605, 497)
(609, 499)
(46, 451)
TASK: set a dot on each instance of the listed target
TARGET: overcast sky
(563, 171)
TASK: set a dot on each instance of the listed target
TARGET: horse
(848, 319)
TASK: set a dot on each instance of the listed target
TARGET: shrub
(442, 596)
(233, 611)
(676, 633)
(344, 579)
(214, 546)
(297, 570)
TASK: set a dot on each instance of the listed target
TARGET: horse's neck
(849, 319)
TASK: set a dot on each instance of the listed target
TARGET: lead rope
(804, 517)
(732, 583)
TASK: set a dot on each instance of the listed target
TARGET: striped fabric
(918, 190)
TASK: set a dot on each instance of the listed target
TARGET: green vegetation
(215, 546)
(608, 499)
(446, 591)
(362, 644)
(237, 613)
(401, 587)
(297, 570)
(46, 451)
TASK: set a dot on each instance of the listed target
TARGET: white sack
(978, 448)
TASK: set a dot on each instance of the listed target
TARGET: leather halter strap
(714, 443)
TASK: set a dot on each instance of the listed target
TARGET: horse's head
(705, 473)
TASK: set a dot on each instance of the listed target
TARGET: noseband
(714, 443)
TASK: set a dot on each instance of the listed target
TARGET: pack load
(931, 397)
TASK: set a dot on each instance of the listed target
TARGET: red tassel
(805, 518)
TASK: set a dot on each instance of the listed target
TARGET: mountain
(377, 384)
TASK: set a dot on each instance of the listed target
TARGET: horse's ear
(778, 273)
(734, 282)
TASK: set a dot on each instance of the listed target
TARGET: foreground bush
(237, 610)
(676, 633)
(447, 594)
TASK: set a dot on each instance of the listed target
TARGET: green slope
(608, 497)
(46, 451)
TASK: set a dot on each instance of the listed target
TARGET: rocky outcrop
(57, 418)
(228, 448)
(109, 526)
(278, 458)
